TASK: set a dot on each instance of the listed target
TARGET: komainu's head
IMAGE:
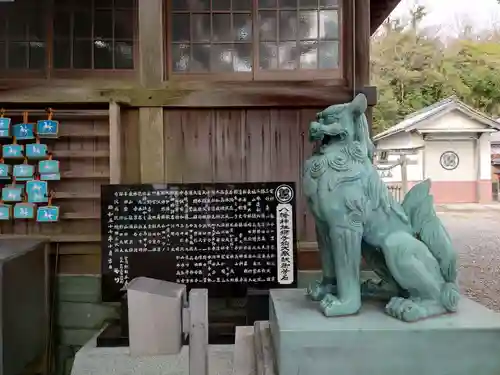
(343, 123)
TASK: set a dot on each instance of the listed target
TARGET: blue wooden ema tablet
(47, 214)
(47, 128)
(24, 211)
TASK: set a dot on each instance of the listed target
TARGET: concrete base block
(91, 360)
(306, 342)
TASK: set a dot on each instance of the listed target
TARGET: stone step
(264, 355)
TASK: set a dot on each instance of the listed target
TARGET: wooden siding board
(78, 288)
(84, 315)
(75, 337)
(173, 147)
(84, 168)
(256, 153)
(115, 143)
(80, 264)
(151, 132)
(197, 147)
(227, 146)
(240, 145)
(131, 170)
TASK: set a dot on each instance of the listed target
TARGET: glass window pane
(124, 24)
(180, 27)
(125, 4)
(287, 55)
(103, 54)
(288, 25)
(268, 56)
(191, 4)
(222, 58)
(328, 3)
(36, 55)
(221, 4)
(222, 28)
(242, 24)
(62, 3)
(103, 3)
(180, 5)
(124, 55)
(62, 24)
(287, 4)
(200, 61)
(3, 27)
(36, 28)
(180, 57)
(242, 4)
(82, 24)
(3, 55)
(18, 55)
(267, 26)
(243, 57)
(308, 25)
(82, 54)
(200, 27)
(17, 28)
(267, 4)
(309, 55)
(328, 24)
(329, 55)
(103, 24)
(308, 4)
(62, 54)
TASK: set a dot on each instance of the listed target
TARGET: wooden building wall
(166, 129)
(254, 145)
(83, 152)
(230, 145)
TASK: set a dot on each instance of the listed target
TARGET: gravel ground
(476, 236)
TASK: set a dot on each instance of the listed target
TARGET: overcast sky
(451, 14)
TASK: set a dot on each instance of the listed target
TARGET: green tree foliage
(413, 68)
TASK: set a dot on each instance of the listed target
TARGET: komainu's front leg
(320, 288)
(346, 251)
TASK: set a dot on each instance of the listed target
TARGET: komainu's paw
(332, 306)
(379, 289)
(411, 310)
(319, 289)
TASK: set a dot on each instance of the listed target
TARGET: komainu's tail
(419, 206)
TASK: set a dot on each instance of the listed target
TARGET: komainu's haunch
(356, 216)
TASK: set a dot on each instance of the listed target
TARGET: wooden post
(151, 31)
(362, 36)
(404, 174)
(152, 66)
(151, 145)
(198, 332)
(361, 43)
(115, 144)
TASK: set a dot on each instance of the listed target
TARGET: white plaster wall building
(448, 142)
(495, 155)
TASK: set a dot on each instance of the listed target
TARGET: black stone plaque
(224, 237)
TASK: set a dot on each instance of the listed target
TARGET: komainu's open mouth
(329, 138)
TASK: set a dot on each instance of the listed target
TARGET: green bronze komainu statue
(356, 216)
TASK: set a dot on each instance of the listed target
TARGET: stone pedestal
(372, 343)
(91, 360)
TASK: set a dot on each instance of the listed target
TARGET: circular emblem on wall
(449, 160)
(284, 193)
